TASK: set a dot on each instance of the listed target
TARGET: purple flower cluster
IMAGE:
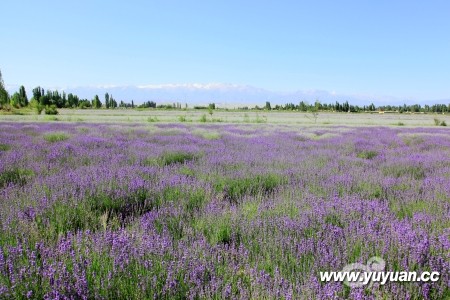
(107, 211)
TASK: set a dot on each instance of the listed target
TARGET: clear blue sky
(395, 48)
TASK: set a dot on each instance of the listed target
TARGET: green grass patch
(15, 176)
(234, 189)
(51, 118)
(217, 229)
(62, 218)
(152, 119)
(184, 170)
(412, 140)
(208, 135)
(123, 209)
(333, 219)
(83, 129)
(55, 137)
(182, 118)
(250, 209)
(407, 210)
(177, 157)
(5, 147)
(367, 154)
(415, 172)
(355, 250)
(282, 209)
(369, 190)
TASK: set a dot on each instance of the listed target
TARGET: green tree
(4, 96)
(96, 103)
(303, 106)
(15, 100)
(112, 102)
(268, 107)
(38, 93)
(23, 97)
(107, 104)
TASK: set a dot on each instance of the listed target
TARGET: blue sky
(384, 48)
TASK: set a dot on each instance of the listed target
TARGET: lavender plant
(105, 211)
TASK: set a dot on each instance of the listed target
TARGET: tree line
(51, 100)
(346, 107)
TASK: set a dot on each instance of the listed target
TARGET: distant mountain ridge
(224, 95)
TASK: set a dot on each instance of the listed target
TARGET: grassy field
(222, 116)
(109, 205)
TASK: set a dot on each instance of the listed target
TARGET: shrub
(203, 118)
(438, 122)
(56, 137)
(39, 109)
(51, 110)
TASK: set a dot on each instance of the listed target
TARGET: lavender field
(219, 211)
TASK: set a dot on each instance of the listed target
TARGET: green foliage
(438, 122)
(15, 100)
(217, 229)
(203, 118)
(96, 103)
(51, 110)
(415, 172)
(367, 154)
(333, 219)
(195, 200)
(56, 137)
(19, 99)
(62, 218)
(209, 135)
(369, 190)
(177, 157)
(234, 189)
(35, 105)
(262, 119)
(182, 118)
(152, 119)
(412, 140)
(4, 96)
(15, 176)
(5, 147)
(184, 170)
(51, 118)
(407, 210)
